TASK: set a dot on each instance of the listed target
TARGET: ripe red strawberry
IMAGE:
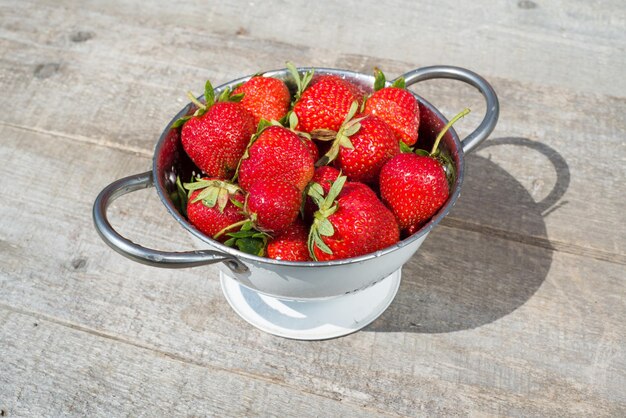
(213, 205)
(415, 186)
(277, 153)
(325, 176)
(265, 97)
(290, 245)
(361, 147)
(216, 136)
(325, 103)
(351, 221)
(397, 107)
(273, 204)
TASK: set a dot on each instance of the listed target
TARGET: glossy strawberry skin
(325, 103)
(362, 224)
(216, 140)
(291, 244)
(209, 220)
(414, 187)
(276, 204)
(265, 97)
(374, 144)
(277, 153)
(399, 109)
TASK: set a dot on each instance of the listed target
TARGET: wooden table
(513, 306)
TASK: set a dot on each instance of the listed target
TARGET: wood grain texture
(473, 330)
(68, 372)
(513, 306)
(540, 125)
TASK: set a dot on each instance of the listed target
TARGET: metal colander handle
(145, 255)
(461, 74)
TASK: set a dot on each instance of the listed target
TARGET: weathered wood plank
(481, 324)
(54, 370)
(513, 306)
(541, 125)
(525, 41)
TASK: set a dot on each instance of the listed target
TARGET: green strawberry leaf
(399, 82)
(325, 228)
(251, 246)
(209, 94)
(301, 81)
(353, 109)
(404, 148)
(208, 196)
(179, 198)
(180, 121)
(236, 97)
(236, 203)
(352, 129)
(249, 241)
(379, 79)
(222, 199)
(293, 120)
(334, 191)
(422, 152)
(319, 242)
(224, 95)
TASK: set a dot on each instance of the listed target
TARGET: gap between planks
(180, 358)
(449, 221)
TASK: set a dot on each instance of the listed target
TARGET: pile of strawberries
(322, 173)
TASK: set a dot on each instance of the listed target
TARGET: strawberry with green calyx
(325, 103)
(291, 244)
(361, 147)
(213, 204)
(276, 153)
(350, 221)
(216, 135)
(271, 206)
(395, 105)
(416, 185)
(265, 97)
(209, 100)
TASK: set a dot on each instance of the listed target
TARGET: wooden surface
(513, 306)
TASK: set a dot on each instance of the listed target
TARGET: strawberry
(213, 204)
(351, 221)
(361, 147)
(270, 207)
(397, 107)
(273, 204)
(216, 136)
(265, 97)
(291, 244)
(325, 103)
(416, 186)
(277, 153)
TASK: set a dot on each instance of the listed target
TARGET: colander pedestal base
(316, 319)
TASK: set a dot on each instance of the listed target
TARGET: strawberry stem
(229, 227)
(445, 128)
